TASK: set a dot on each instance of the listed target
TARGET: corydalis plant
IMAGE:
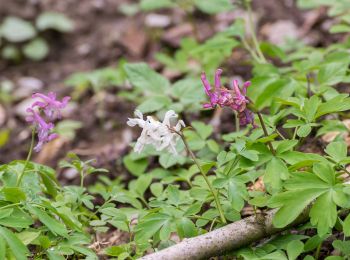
(156, 133)
(52, 109)
(233, 98)
(164, 135)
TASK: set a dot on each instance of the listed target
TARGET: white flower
(157, 133)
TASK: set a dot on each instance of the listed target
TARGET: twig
(225, 239)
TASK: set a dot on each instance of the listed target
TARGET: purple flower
(52, 109)
(50, 105)
(43, 129)
(240, 101)
(220, 95)
(234, 98)
(246, 117)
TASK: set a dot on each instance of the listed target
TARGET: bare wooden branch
(225, 239)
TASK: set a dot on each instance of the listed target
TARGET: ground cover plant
(222, 143)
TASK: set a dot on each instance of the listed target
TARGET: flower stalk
(18, 182)
(213, 191)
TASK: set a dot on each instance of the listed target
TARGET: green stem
(266, 133)
(251, 51)
(252, 29)
(279, 133)
(237, 122)
(212, 225)
(82, 178)
(318, 250)
(10, 205)
(145, 202)
(27, 160)
(211, 188)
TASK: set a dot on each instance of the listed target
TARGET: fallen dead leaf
(50, 150)
(134, 40)
(258, 185)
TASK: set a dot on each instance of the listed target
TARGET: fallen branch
(225, 239)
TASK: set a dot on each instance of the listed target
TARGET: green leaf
(323, 213)
(144, 78)
(272, 90)
(17, 219)
(55, 21)
(189, 92)
(141, 184)
(237, 193)
(156, 189)
(36, 49)
(149, 225)
(114, 250)
(250, 155)
(310, 108)
(204, 130)
(186, 228)
(4, 213)
(153, 104)
(213, 146)
(304, 130)
(194, 140)
(57, 228)
(337, 150)
(18, 249)
(291, 204)
(28, 237)
(136, 167)
(15, 29)
(325, 172)
(339, 103)
(14, 194)
(165, 231)
(214, 6)
(2, 248)
(346, 226)
(332, 73)
(167, 160)
(294, 249)
(285, 145)
(314, 242)
(49, 182)
(276, 171)
(342, 246)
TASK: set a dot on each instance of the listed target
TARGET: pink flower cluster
(234, 98)
(52, 109)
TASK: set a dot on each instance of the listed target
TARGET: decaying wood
(225, 239)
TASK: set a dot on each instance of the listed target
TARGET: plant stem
(252, 30)
(27, 160)
(10, 205)
(266, 133)
(318, 250)
(211, 188)
(251, 51)
(145, 202)
(82, 178)
(237, 122)
(280, 134)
